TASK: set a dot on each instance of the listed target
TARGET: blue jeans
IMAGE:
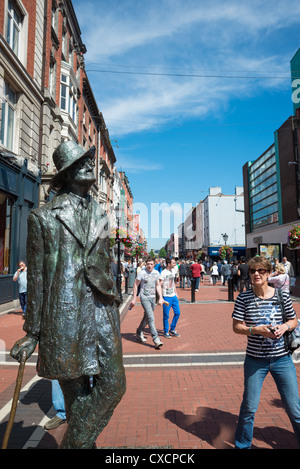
(58, 400)
(255, 370)
(23, 301)
(173, 303)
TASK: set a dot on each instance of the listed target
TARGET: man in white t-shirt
(148, 279)
(20, 276)
(167, 281)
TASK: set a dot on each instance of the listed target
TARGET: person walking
(188, 274)
(182, 273)
(288, 267)
(214, 273)
(202, 271)
(279, 278)
(196, 274)
(58, 402)
(235, 275)
(167, 281)
(243, 271)
(148, 280)
(20, 276)
(257, 314)
(225, 271)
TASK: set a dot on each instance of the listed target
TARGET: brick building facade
(46, 98)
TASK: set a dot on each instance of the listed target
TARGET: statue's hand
(27, 343)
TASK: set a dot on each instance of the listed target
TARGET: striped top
(255, 311)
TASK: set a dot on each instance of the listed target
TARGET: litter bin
(131, 276)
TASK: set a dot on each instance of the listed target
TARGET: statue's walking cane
(15, 400)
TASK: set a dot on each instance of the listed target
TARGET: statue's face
(84, 169)
(81, 174)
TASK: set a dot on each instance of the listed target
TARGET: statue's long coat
(72, 296)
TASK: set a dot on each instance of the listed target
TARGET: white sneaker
(140, 337)
(158, 343)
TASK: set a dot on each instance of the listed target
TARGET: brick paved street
(185, 396)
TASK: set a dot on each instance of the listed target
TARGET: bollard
(230, 290)
(192, 290)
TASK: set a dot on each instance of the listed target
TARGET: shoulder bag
(291, 338)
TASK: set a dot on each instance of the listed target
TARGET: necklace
(258, 298)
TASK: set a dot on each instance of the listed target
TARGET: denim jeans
(23, 301)
(58, 400)
(182, 281)
(173, 303)
(255, 370)
(149, 307)
(214, 279)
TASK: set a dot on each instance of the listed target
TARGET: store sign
(295, 75)
(269, 250)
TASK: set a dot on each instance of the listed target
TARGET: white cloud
(137, 166)
(187, 37)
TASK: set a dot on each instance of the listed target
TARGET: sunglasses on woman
(259, 271)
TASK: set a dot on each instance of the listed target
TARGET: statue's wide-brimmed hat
(65, 155)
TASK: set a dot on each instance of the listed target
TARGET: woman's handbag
(293, 282)
(291, 338)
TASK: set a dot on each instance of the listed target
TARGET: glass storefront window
(5, 233)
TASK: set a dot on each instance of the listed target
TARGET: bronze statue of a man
(72, 311)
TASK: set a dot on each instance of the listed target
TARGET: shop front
(237, 252)
(19, 194)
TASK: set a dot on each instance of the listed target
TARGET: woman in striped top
(257, 314)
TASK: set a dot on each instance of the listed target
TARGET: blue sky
(190, 90)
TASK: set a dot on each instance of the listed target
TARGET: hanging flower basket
(225, 252)
(201, 255)
(123, 236)
(138, 250)
(293, 241)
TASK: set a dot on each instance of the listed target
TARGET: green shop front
(19, 194)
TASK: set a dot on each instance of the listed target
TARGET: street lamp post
(119, 275)
(225, 237)
(230, 279)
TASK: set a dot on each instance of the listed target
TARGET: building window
(64, 46)
(8, 117)
(52, 77)
(263, 190)
(14, 21)
(54, 19)
(5, 233)
(63, 92)
(68, 97)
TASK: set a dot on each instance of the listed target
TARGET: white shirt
(168, 285)
(148, 282)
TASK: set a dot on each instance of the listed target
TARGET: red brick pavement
(183, 407)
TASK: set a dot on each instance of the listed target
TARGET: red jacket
(196, 270)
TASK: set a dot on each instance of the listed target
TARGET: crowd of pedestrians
(256, 314)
